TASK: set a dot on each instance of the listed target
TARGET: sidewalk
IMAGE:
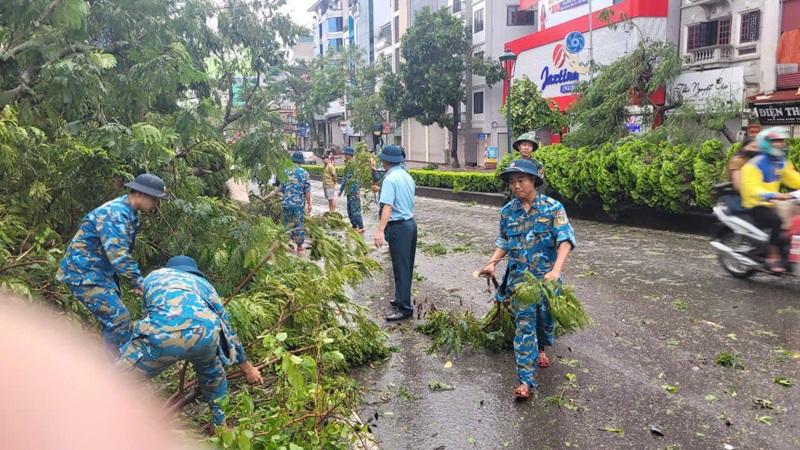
(446, 168)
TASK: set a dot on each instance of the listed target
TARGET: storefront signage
(787, 114)
(564, 78)
(698, 88)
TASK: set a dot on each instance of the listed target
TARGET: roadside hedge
(632, 171)
(457, 181)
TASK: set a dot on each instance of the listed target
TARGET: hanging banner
(556, 12)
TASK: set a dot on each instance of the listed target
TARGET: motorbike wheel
(734, 267)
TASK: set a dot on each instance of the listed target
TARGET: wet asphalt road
(664, 311)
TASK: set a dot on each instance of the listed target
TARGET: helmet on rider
(772, 141)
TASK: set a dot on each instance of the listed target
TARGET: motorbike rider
(746, 152)
(762, 177)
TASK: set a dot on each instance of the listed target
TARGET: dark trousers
(402, 240)
(767, 218)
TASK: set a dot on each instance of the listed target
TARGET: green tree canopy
(530, 110)
(436, 54)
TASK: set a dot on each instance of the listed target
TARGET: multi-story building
(568, 35)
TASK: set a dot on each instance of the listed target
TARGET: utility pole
(591, 45)
(469, 143)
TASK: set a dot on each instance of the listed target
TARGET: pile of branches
(451, 331)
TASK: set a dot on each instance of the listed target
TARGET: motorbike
(742, 246)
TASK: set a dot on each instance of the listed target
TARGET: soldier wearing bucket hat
(537, 237)
(398, 228)
(185, 320)
(100, 254)
(296, 199)
(526, 144)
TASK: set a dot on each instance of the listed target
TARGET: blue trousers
(535, 330)
(401, 236)
(106, 305)
(151, 353)
(354, 211)
(293, 217)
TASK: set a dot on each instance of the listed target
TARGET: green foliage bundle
(450, 331)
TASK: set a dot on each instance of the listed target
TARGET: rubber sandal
(522, 391)
(544, 361)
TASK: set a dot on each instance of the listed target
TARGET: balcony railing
(457, 7)
(719, 54)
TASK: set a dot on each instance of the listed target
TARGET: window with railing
(477, 23)
(457, 6)
(709, 34)
(750, 26)
(515, 17)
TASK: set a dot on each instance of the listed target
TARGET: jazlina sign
(565, 54)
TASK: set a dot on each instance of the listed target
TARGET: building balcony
(788, 76)
(457, 7)
(719, 55)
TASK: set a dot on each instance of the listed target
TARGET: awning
(789, 96)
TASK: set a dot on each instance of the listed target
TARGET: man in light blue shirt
(398, 228)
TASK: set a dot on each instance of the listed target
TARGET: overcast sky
(298, 10)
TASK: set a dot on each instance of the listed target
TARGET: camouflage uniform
(294, 191)
(184, 320)
(531, 240)
(350, 183)
(96, 256)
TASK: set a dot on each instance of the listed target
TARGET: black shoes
(397, 316)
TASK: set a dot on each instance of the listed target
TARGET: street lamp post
(508, 59)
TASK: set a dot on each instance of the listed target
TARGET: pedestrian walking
(398, 228)
(537, 237)
(351, 186)
(100, 253)
(296, 200)
(329, 182)
(185, 320)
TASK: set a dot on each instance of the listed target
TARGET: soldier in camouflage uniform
(526, 144)
(101, 252)
(296, 192)
(184, 319)
(350, 183)
(537, 237)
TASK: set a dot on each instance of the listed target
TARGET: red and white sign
(556, 12)
(559, 55)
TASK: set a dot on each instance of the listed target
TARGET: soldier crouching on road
(537, 237)
(101, 252)
(186, 320)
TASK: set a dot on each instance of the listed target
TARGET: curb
(691, 222)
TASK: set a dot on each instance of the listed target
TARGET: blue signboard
(491, 152)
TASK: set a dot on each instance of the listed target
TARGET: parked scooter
(742, 246)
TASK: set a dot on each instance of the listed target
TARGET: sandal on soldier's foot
(522, 391)
(544, 361)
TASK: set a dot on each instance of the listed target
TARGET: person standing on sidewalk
(350, 184)
(100, 253)
(296, 200)
(329, 182)
(537, 237)
(398, 228)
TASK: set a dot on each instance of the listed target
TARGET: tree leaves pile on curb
(450, 330)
